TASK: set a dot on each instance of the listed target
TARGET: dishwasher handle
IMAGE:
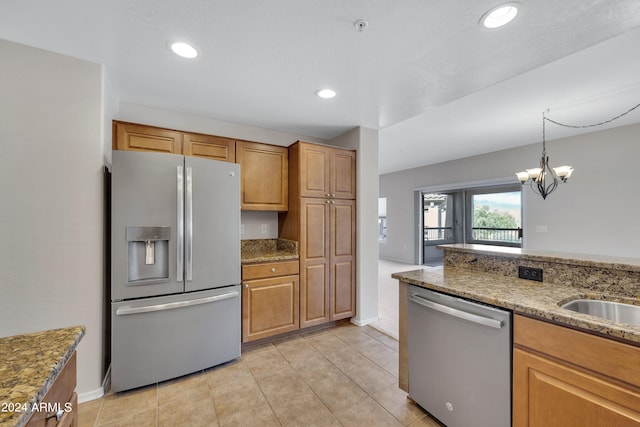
(486, 321)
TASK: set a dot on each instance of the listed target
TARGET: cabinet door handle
(246, 285)
(333, 195)
(328, 195)
(57, 415)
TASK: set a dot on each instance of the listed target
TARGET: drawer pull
(58, 415)
(273, 270)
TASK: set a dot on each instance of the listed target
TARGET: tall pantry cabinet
(322, 218)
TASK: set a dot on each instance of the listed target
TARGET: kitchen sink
(616, 311)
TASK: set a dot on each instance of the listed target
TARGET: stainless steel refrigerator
(175, 266)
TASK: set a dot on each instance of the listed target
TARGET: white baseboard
(91, 395)
(98, 393)
(364, 322)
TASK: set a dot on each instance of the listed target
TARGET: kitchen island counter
(541, 300)
(29, 365)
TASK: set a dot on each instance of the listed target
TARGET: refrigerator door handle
(180, 225)
(188, 252)
(179, 304)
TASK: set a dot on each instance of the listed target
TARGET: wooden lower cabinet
(327, 257)
(270, 305)
(61, 398)
(342, 283)
(563, 377)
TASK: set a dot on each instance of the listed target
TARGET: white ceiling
(436, 84)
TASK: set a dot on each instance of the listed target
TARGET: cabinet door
(210, 147)
(343, 174)
(548, 394)
(314, 261)
(342, 258)
(61, 393)
(129, 136)
(265, 176)
(269, 307)
(314, 170)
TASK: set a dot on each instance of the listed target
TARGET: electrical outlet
(530, 273)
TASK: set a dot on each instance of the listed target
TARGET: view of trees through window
(488, 216)
(497, 217)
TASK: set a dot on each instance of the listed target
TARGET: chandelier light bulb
(522, 176)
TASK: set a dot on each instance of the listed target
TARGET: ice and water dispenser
(148, 249)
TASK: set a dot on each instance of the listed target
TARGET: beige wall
(51, 219)
(366, 142)
(605, 162)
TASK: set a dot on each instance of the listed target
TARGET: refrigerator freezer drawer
(156, 339)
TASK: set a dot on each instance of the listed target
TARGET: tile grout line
(304, 381)
(259, 387)
(366, 357)
(350, 378)
(369, 395)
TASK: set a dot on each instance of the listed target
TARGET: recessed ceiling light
(499, 16)
(184, 49)
(326, 93)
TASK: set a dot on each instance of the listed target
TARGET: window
(438, 218)
(494, 216)
(488, 214)
(382, 219)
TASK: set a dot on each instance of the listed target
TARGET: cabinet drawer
(269, 269)
(598, 354)
(60, 393)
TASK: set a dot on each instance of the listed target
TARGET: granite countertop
(265, 250)
(574, 259)
(542, 300)
(29, 365)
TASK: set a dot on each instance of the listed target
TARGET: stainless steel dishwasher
(459, 359)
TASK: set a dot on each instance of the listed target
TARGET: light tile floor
(340, 376)
(388, 295)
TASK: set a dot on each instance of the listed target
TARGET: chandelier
(545, 179)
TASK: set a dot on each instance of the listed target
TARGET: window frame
(468, 205)
(382, 220)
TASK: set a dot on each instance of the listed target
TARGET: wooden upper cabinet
(210, 147)
(130, 136)
(264, 171)
(314, 164)
(326, 171)
(343, 174)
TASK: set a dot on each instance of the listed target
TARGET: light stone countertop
(574, 259)
(266, 250)
(29, 365)
(542, 300)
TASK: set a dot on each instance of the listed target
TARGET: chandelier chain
(591, 125)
